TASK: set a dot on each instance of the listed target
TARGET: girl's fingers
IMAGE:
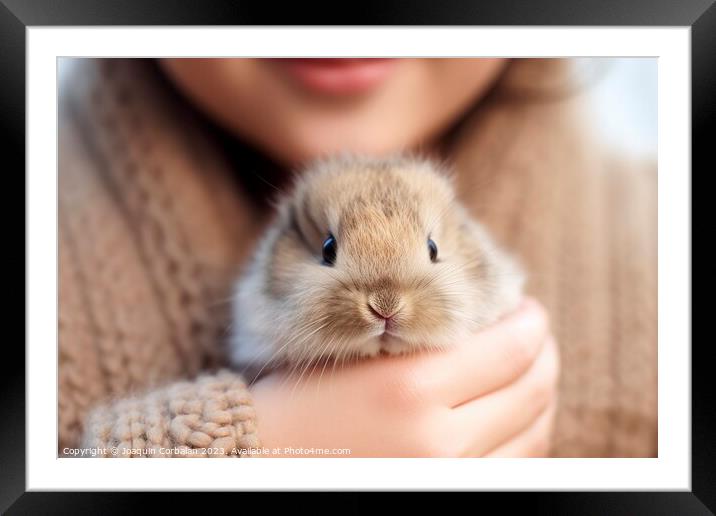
(535, 441)
(496, 417)
(491, 359)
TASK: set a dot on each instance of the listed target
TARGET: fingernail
(529, 316)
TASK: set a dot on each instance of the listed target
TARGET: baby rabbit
(368, 256)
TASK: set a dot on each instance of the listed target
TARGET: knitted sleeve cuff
(210, 416)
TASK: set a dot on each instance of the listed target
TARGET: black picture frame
(17, 15)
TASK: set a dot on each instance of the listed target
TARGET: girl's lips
(337, 76)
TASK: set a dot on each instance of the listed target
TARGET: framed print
(439, 249)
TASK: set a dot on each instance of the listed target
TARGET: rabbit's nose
(384, 305)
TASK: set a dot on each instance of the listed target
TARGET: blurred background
(625, 104)
(624, 93)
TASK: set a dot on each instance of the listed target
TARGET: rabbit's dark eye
(433, 249)
(329, 250)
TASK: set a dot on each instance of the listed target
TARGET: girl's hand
(493, 395)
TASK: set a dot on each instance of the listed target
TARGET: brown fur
(296, 309)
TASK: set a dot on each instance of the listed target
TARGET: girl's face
(299, 109)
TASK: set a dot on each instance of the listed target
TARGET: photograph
(435, 249)
(351, 257)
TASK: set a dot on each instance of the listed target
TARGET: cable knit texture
(148, 240)
(210, 416)
(153, 229)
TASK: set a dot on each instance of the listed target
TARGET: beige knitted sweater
(154, 225)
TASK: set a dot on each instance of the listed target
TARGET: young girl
(166, 173)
